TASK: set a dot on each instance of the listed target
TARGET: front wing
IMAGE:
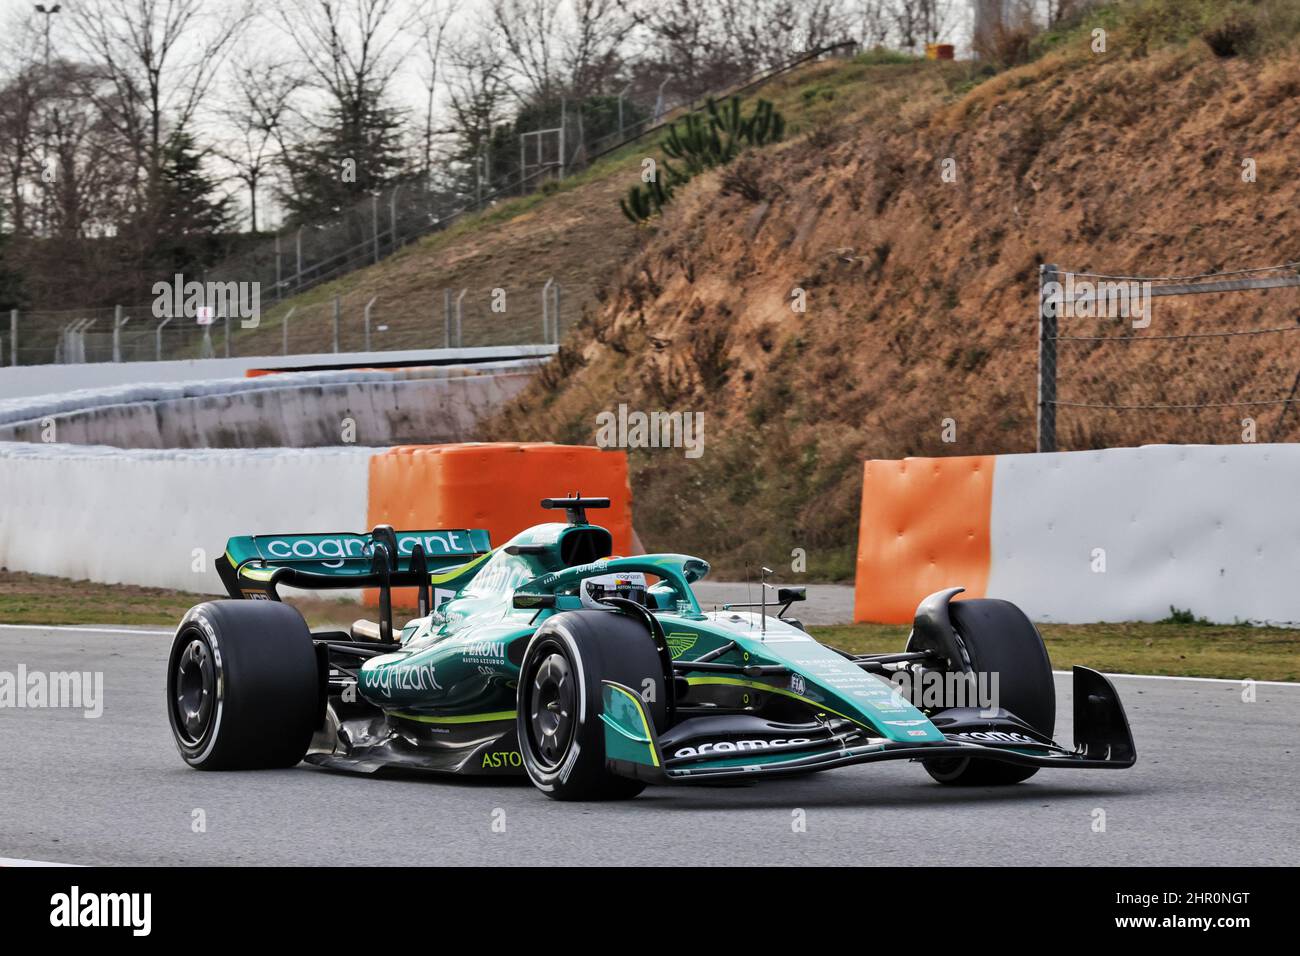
(634, 749)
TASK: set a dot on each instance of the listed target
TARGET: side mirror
(790, 595)
(532, 602)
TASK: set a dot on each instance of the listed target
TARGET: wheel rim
(195, 692)
(552, 705)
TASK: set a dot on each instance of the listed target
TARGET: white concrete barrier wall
(26, 380)
(296, 409)
(1214, 529)
(135, 517)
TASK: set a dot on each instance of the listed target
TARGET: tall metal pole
(1047, 330)
(117, 333)
(279, 288)
(299, 275)
(13, 336)
(374, 223)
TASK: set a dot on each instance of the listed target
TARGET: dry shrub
(1234, 34)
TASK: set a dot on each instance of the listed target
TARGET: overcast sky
(269, 40)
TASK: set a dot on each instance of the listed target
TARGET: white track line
(1204, 680)
(5, 861)
(77, 627)
(122, 630)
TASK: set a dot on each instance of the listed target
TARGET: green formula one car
(597, 675)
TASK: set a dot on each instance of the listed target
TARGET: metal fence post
(287, 316)
(659, 99)
(117, 333)
(557, 324)
(446, 318)
(460, 315)
(158, 338)
(279, 280)
(392, 218)
(337, 311)
(1047, 331)
(13, 337)
(79, 340)
(368, 305)
(564, 105)
(546, 309)
(298, 277)
(374, 223)
(621, 96)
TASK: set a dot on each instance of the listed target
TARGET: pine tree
(358, 151)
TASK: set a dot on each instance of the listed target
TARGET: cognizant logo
(332, 552)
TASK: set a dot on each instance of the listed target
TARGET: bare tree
(88, 182)
(764, 33)
(160, 58)
(922, 21)
(874, 25)
(686, 39)
(351, 48)
(529, 31)
(479, 91)
(261, 102)
(593, 44)
(435, 18)
(20, 106)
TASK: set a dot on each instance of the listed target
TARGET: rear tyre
(999, 638)
(561, 735)
(243, 687)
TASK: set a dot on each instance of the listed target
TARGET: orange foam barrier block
(924, 527)
(497, 486)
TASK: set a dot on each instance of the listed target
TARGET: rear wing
(255, 566)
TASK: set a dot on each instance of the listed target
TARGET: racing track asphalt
(1216, 783)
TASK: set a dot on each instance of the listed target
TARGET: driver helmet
(627, 584)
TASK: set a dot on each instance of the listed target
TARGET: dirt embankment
(575, 236)
(920, 292)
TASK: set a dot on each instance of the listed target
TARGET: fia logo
(797, 684)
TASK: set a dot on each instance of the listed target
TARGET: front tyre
(1000, 639)
(243, 687)
(561, 735)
